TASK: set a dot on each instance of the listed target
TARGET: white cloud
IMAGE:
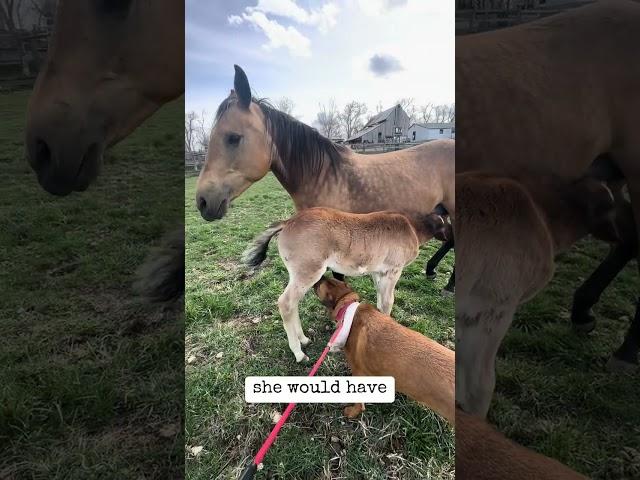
(324, 19)
(419, 34)
(278, 35)
(289, 37)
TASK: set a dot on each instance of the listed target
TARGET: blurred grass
(91, 379)
(553, 392)
(237, 316)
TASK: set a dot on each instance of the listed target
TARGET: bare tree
(408, 104)
(43, 11)
(351, 117)
(376, 110)
(328, 119)
(190, 127)
(286, 105)
(444, 113)
(426, 112)
(10, 15)
(202, 132)
(451, 117)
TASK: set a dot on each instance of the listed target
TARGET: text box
(301, 389)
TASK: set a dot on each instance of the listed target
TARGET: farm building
(387, 126)
(422, 132)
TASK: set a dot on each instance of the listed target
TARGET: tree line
(331, 120)
(335, 122)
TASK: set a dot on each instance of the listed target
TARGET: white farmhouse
(423, 132)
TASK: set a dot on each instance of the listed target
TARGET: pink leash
(251, 469)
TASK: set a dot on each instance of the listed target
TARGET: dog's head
(330, 291)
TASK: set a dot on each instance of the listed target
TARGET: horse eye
(233, 139)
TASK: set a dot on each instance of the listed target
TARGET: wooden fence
(193, 162)
(381, 147)
(22, 52)
(474, 16)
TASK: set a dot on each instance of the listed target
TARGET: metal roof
(434, 125)
(363, 132)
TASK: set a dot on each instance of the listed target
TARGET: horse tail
(161, 277)
(257, 251)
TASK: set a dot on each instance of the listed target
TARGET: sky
(371, 51)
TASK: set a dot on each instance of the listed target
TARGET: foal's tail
(257, 251)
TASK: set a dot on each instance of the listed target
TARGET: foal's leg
(430, 269)
(288, 306)
(385, 287)
(478, 337)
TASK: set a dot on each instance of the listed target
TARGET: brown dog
(482, 453)
(378, 345)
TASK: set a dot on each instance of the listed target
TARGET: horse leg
(450, 287)
(478, 337)
(386, 285)
(588, 294)
(430, 268)
(288, 306)
(626, 357)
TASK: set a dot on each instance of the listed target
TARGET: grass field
(553, 392)
(233, 329)
(91, 379)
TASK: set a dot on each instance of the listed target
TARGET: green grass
(553, 392)
(91, 379)
(236, 315)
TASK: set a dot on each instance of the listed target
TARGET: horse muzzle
(212, 208)
(62, 170)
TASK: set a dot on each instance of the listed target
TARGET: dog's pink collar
(341, 312)
(344, 320)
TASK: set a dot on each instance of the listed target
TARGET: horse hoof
(584, 328)
(447, 293)
(616, 365)
(304, 341)
(431, 275)
(302, 358)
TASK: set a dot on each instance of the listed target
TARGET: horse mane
(303, 152)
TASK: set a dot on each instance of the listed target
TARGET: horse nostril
(202, 203)
(42, 154)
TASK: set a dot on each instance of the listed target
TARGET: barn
(387, 126)
(423, 132)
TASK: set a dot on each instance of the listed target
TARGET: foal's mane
(303, 152)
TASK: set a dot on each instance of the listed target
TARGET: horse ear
(242, 88)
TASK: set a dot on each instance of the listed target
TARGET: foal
(315, 239)
(531, 219)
